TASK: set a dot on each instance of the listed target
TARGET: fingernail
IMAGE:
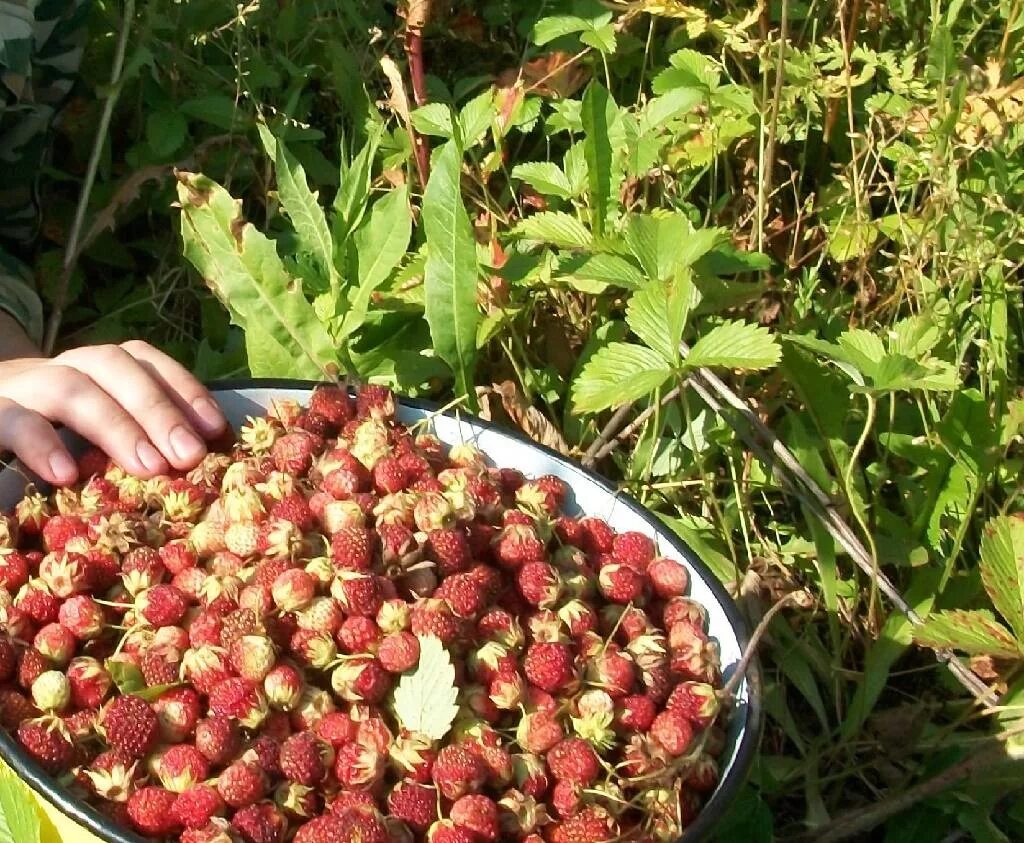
(62, 466)
(150, 457)
(210, 417)
(185, 443)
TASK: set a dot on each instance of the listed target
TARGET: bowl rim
(89, 817)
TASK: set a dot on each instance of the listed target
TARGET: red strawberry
(83, 617)
(178, 712)
(205, 667)
(150, 810)
(672, 731)
(305, 759)
(574, 760)
(352, 548)
(464, 593)
(60, 529)
(636, 713)
(457, 771)
(196, 806)
(668, 578)
(415, 804)
(592, 824)
(242, 783)
(358, 593)
(359, 634)
(697, 701)
(37, 601)
(8, 660)
(550, 666)
(14, 569)
(283, 686)
(620, 583)
(598, 537)
(431, 616)
(293, 453)
(260, 823)
(218, 739)
(539, 583)
(477, 813)
(389, 476)
(518, 544)
(399, 652)
(90, 682)
(130, 725)
(48, 742)
(180, 767)
(538, 731)
(634, 549)
(161, 605)
(241, 699)
(294, 508)
(358, 766)
(445, 831)
(448, 549)
(333, 403)
(375, 402)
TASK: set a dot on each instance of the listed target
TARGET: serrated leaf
(618, 374)
(434, 119)
(451, 272)
(976, 633)
(307, 217)
(243, 269)
(350, 200)
(476, 117)
(556, 228)
(598, 114)
(862, 347)
(657, 314)
(549, 28)
(603, 268)
(545, 177)
(19, 819)
(379, 245)
(735, 345)
(1002, 568)
(425, 699)
(127, 677)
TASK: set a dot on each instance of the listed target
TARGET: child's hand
(136, 403)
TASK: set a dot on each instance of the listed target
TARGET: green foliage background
(822, 200)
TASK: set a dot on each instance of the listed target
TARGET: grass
(871, 151)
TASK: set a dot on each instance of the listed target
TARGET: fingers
(190, 395)
(144, 397)
(35, 443)
(63, 393)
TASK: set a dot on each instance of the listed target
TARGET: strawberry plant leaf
(350, 200)
(545, 177)
(1002, 569)
(657, 314)
(735, 345)
(379, 245)
(433, 119)
(242, 267)
(556, 228)
(976, 633)
(603, 268)
(425, 699)
(617, 374)
(19, 820)
(451, 270)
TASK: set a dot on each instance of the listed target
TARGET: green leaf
(19, 819)
(434, 118)
(451, 271)
(604, 268)
(556, 228)
(851, 239)
(618, 374)
(165, 131)
(350, 200)
(243, 269)
(598, 114)
(545, 177)
(305, 213)
(127, 677)
(425, 699)
(216, 109)
(863, 348)
(976, 633)
(654, 240)
(670, 105)
(1002, 568)
(476, 117)
(379, 244)
(267, 358)
(548, 29)
(735, 345)
(657, 314)
(601, 38)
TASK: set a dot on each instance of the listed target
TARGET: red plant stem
(418, 15)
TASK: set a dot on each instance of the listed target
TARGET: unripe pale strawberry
(55, 643)
(253, 656)
(293, 589)
(283, 686)
(51, 691)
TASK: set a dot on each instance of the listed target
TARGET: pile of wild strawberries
(213, 656)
